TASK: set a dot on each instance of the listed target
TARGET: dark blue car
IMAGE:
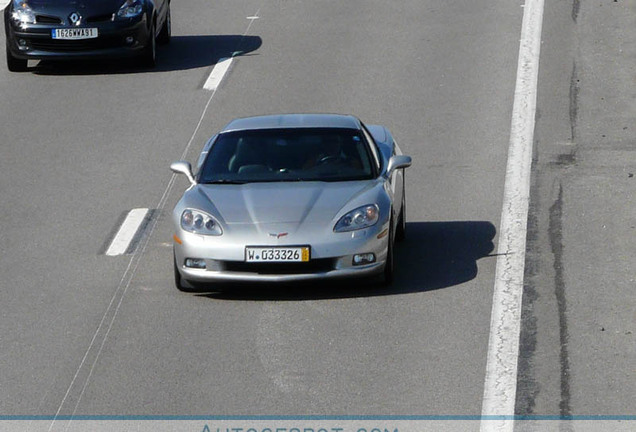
(71, 29)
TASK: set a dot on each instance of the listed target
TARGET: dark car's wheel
(166, 30)
(389, 267)
(149, 55)
(15, 64)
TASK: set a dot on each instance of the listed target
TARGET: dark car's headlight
(22, 13)
(198, 222)
(130, 9)
(362, 217)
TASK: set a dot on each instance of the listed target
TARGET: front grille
(312, 266)
(76, 45)
(47, 19)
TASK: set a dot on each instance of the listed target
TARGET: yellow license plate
(277, 254)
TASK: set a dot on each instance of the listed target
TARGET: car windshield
(298, 154)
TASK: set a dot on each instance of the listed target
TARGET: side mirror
(183, 167)
(397, 162)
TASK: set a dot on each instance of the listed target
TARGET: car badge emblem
(278, 235)
(75, 18)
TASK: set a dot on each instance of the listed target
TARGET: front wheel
(149, 55)
(400, 233)
(179, 282)
(400, 230)
(389, 266)
(15, 64)
(166, 30)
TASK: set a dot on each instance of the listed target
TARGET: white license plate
(277, 254)
(74, 33)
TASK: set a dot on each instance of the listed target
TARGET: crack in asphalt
(527, 386)
(556, 243)
(574, 102)
(576, 7)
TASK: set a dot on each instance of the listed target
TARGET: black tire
(15, 64)
(400, 231)
(166, 30)
(179, 282)
(389, 267)
(149, 55)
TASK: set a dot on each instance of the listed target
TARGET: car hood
(92, 7)
(283, 203)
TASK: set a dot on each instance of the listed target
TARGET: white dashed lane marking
(217, 74)
(223, 65)
(130, 229)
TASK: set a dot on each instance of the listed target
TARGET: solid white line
(127, 231)
(217, 74)
(500, 385)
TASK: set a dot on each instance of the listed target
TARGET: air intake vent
(47, 19)
(313, 266)
(100, 18)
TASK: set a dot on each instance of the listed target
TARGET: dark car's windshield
(300, 154)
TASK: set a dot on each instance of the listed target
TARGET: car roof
(290, 121)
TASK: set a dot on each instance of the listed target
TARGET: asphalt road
(84, 143)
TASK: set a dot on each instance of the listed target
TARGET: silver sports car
(288, 198)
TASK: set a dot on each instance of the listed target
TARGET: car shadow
(183, 52)
(434, 255)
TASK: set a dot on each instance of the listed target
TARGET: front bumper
(203, 276)
(331, 258)
(35, 42)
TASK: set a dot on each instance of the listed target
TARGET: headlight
(197, 222)
(359, 218)
(22, 13)
(130, 9)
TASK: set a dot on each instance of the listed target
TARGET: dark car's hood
(84, 7)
